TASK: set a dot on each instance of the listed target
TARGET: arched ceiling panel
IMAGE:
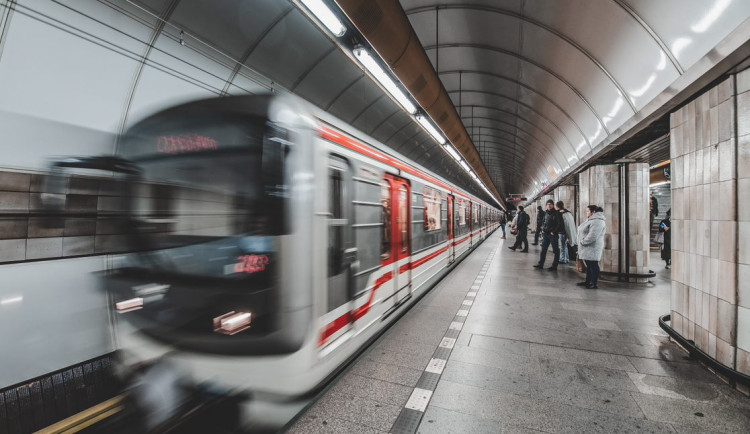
(233, 26)
(510, 110)
(566, 97)
(641, 76)
(391, 126)
(289, 49)
(353, 100)
(574, 67)
(489, 29)
(328, 78)
(530, 134)
(690, 28)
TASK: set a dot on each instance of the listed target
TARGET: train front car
(219, 284)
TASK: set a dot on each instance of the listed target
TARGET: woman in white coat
(591, 244)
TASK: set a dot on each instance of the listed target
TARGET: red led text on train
(250, 264)
(185, 143)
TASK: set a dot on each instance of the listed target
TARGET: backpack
(526, 220)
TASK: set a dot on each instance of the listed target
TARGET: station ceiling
(540, 85)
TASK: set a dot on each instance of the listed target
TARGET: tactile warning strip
(411, 415)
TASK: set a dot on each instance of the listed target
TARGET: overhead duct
(385, 26)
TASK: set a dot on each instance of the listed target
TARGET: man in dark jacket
(539, 223)
(553, 224)
(522, 225)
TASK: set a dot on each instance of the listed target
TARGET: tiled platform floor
(536, 354)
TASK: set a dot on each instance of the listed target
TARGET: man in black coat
(553, 224)
(539, 223)
(522, 224)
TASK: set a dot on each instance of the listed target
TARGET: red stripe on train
(340, 139)
(421, 261)
(350, 317)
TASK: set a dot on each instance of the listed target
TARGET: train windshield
(216, 185)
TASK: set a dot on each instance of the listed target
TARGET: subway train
(269, 244)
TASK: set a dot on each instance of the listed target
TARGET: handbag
(514, 231)
(659, 238)
(580, 266)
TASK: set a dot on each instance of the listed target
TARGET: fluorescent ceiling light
(385, 80)
(326, 16)
(427, 125)
(465, 166)
(451, 150)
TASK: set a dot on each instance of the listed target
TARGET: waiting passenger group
(556, 227)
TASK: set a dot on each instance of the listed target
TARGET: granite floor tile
(374, 389)
(486, 377)
(589, 396)
(370, 413)
(384, 372)
(500, 345)
(440, 421)
(672, 387)
(478, 356)
(314, 424)
(708, 416)
(582, 357)
(683, 371)
(563, 374)
(536, 413)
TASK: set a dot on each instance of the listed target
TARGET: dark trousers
(521, 240)
(536, 234)
(548, 239)
(592, 271)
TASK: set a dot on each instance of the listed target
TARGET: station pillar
(567, 194)
(622, 191)
(710, 154)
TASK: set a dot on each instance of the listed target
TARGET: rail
(733, 375)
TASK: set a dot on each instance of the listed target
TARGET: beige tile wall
(710, 149)
(599, 185)
(567, 194)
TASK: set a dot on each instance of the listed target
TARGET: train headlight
(129, 305)
(232, 323)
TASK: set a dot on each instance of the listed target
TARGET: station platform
(498, 346)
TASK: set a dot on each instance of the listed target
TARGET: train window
(431, 209)
(461, 213)
(385, 239)
(335, 226)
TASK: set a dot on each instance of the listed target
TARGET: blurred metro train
(271, 243)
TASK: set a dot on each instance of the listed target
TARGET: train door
(401, 236)
(469, 223)
(342, 253)
(451, 225)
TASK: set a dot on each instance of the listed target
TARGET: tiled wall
(710, 227)
(567, 194)
(24, 230)
(743, 221)
(599, 185)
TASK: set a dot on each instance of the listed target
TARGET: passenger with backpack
(521, 226)
(568, 234)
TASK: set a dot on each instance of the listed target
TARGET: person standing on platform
(591, 244)
(521, 224)
(653, 209)
(551, 228)
(568, 234)
(503, 221)
(666, 248)
(539, 223)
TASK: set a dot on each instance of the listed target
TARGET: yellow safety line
(86, 418)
